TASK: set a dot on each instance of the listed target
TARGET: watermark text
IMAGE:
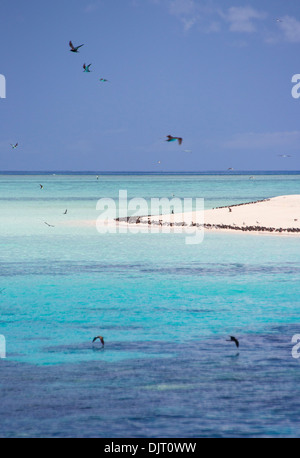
(2, 347)
(176, 215)
(2, 87)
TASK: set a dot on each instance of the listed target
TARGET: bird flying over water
(41, 186)
(103, 80)
(100, 338)
(173, 139)
(14, 146)
(49, 225)
(87, 68)
(74, 48)
(233, 339)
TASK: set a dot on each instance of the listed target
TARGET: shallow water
(165, 309)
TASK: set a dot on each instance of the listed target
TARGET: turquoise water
(165, 309)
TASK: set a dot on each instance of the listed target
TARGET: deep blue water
(165, 309)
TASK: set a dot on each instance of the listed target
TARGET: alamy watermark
(138, 215)
(296, 347)
(2, 347)
(2, 87)
(296, 88)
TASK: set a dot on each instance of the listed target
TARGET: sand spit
(280, 215)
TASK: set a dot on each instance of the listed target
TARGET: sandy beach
(277, 215)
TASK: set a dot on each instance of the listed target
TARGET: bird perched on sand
(87, 68)
(173, 139)
(233, 339)
(74, 48)
(100, 338)
(14, 146)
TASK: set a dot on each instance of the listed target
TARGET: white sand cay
(280, 215)
(276, 216)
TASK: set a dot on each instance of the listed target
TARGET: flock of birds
(169, 138)
(86, 69)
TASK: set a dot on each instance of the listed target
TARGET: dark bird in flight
(14, 146)
(65, 212)
(41, 186)
(233, 339)
(87, 68)
(49, 225)
(100, 338)
(173, 139)
(103, 80)
(230, 168)
(74, 48)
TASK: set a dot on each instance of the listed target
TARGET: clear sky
(217, 73)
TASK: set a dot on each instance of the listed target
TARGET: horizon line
(229, 172)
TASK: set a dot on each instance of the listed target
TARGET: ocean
(164, 307)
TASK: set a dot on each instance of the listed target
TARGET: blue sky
(217, 73)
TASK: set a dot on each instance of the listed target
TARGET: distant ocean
(164, 308)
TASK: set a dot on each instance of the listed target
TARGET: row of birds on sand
(232, 339)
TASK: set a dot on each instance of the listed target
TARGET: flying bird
(173, 139)
(74, 48)
(14, 146)
(100, 338)
(49, 225)
(103, 80)
(284, 155)
(233, 339)
(230, 168)
(279, 20)
(65, 212)
(41, 186)
(87, 68)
